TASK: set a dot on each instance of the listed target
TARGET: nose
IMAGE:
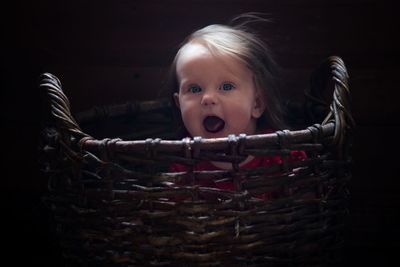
(209, 98)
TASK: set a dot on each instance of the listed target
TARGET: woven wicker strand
(116, 203)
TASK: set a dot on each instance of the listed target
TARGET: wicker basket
(115, 203)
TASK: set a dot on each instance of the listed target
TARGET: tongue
(213, 124)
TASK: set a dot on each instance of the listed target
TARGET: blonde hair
(240, 42)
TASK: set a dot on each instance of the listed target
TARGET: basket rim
(336, 123)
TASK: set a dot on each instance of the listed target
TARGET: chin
(206, 134)
(209, 135)
(216, 135)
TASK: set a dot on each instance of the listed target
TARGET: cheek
(241, 108)
(186, 116)
(186, 108)
(188, 104)
(188, 112)
(191, 122)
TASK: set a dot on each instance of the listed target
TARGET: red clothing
(254, 163)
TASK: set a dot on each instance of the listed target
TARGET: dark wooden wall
(116, 51)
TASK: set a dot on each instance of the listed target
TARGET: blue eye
(227, 86)
(194, 89)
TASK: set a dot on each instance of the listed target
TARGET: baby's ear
(176, 99)
(258, 106)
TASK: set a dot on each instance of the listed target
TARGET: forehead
(192, 49)
(194, 53)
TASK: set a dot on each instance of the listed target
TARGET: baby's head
(224, 83)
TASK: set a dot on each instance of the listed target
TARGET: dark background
(108, 52)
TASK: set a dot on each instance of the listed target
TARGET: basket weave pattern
(116, 204)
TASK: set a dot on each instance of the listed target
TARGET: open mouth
(213, 124)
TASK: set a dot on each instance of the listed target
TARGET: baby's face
(217, 95)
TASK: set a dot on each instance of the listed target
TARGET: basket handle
(332, 70)
(57, 101)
